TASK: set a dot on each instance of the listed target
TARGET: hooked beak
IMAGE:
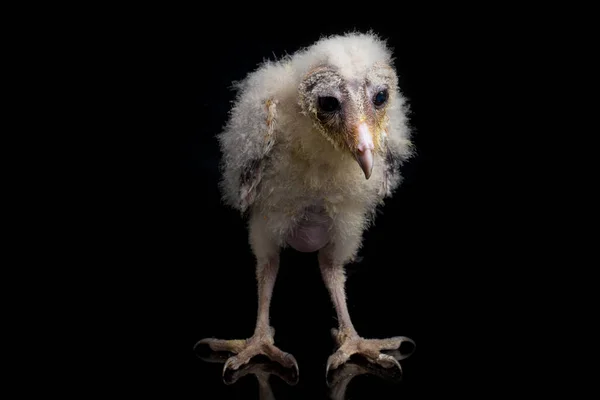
(364, 152)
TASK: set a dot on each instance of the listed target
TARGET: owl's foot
(246, 349)
(350, 344)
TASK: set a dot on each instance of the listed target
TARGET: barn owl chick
(313, 145)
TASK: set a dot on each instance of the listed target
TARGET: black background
(436, 266)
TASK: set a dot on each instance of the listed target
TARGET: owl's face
(350, 112)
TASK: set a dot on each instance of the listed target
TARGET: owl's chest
(326, 171)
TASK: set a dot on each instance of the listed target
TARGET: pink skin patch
(365, 140)
(308, 239)
(312, 232)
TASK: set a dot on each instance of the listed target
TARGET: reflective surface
(266, 380)
(303, 316)
(438, 265)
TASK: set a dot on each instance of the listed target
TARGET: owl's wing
(391, 172)
(398, 147)
(246, 144)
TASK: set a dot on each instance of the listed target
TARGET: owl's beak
(364, 151)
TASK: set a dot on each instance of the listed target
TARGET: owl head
(346, 89)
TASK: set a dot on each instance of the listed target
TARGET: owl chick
(313, 145)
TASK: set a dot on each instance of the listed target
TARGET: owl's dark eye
(328, 103)
(380, 98)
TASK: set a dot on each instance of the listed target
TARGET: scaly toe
(233, 346)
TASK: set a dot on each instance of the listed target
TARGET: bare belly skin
(312, 232)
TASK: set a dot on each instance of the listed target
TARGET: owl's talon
(246, 349)
(370, 349)
(387, 361)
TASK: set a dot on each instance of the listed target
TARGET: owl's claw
(294, 364)
(387, 361)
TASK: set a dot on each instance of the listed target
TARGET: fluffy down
(278, 166)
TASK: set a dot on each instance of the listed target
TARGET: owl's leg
(262, 341)
(331, 262)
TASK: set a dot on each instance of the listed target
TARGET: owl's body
(313, 145)
(277, 163)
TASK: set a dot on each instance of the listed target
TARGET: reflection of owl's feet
(246, 349)
(340, 378)
(263, 370)
(351, 344)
